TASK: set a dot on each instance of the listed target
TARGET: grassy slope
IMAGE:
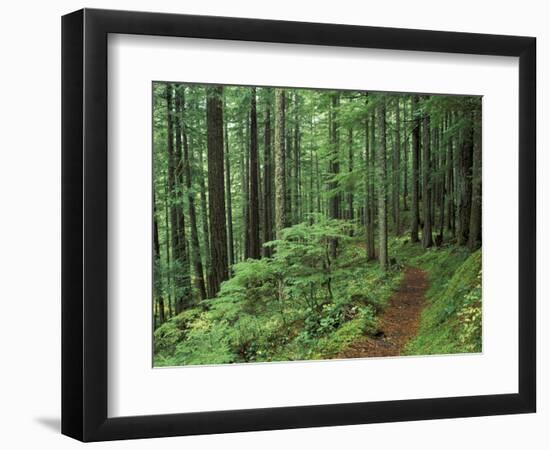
(451, 321)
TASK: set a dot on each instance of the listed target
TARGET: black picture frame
(84, 224)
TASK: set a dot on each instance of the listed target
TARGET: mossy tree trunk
(218, 234)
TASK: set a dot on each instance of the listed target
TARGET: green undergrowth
(451, 321)
(302, 304)
(299, 305)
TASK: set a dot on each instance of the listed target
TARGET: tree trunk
(204, 216)
(184, 257)
(465, 184)
(158, 274)
(280, 169)
(474, 239)
(181, 277)
(297, 175)
(216, 197)
(311, 208)
(372, 183)
(415, 170)
(369, 183)
(243, 241)
(228, 196)
(254, 216)
(268, 208)
(381, 186)
(442, 192)
(289, 178)
(406, 159)
(396, 189)
(171, 176)
(169, 281)
(318, 183)
(246, 190)
(350, 214)
(433, 173)
(195, 246)
(334, 168)
(450, 182)
(426, 186)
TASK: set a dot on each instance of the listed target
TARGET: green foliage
(365, 323)
(451, 323)
(300, 304)
(470, 318)
(267, 312)
(170, 333)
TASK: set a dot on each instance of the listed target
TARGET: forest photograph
(296, 224)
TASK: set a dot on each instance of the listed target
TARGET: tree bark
(442, 192)
(158, 273)
(474, 239)
(243, 241)
(254, 216)
(427, 240)
(406, 158)
(310, 197)
(381, 186)
(297, 170)
(433, 172)
(183, 246)
(268, 207)
(204, 217)
(372, 182)
(318, 183)
(450, 182)
(228, 196)
(181, 276)
(350, 214)
(465, 182)
(415, 170)
(171, 172)
(168, 246)
(246, 190)
(396, 190)
(195, 246)
(289, 179)
(280, 169)
(334, 168)
(216, 197)
(369, 183)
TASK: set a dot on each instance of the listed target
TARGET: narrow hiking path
(398, 322)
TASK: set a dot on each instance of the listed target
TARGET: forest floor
(399, 322)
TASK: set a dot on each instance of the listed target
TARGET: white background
(136, 389)
(30, 177)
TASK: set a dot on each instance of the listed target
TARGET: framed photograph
(273, 225)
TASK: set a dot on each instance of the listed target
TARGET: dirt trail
(398, 322)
